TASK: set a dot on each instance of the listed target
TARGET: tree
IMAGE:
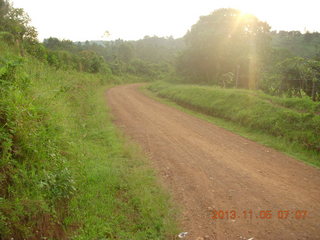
(125, 52)
(91, 62)
(221, 42)
(16, 22)
(4, 9)
(300, 75)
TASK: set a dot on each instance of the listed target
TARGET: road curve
(207, 169)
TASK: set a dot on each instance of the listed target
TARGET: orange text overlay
(261, 214)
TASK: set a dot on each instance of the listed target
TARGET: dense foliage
(150, 57)
(231, 49)
(305, 45)
(225, 42)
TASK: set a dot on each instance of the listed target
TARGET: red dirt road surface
(254, 191)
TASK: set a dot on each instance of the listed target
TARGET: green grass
(247, 113)
(118, 195)
(65, 170)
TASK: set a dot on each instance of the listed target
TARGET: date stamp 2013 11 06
(261, 214)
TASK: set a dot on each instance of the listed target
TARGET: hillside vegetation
(65, 171)
(295, 120)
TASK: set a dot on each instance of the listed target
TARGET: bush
(34, 179)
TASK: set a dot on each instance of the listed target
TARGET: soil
(209, 170)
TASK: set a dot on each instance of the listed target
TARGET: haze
(80, 20)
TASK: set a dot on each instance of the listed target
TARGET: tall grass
(65, 171)
(118, 195)
(295, 121)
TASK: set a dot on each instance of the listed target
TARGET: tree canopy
(225, 41)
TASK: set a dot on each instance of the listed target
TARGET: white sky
(80, 20)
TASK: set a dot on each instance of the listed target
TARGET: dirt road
(207, 168)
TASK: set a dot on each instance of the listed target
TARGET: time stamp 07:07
(261, 214)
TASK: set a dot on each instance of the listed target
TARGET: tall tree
(226, 41)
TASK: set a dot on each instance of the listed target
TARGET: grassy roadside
(118, 194)
(177, 97)
(65, 170)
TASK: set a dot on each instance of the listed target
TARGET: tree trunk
(18, 42)
(237, 75)
(314, 90)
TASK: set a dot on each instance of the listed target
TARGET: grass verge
(118, 194)
(212, 104)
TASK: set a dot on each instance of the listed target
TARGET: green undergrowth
(272, 121)
(119, 197)
(65, 171)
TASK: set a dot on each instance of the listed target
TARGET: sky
(81, 20)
